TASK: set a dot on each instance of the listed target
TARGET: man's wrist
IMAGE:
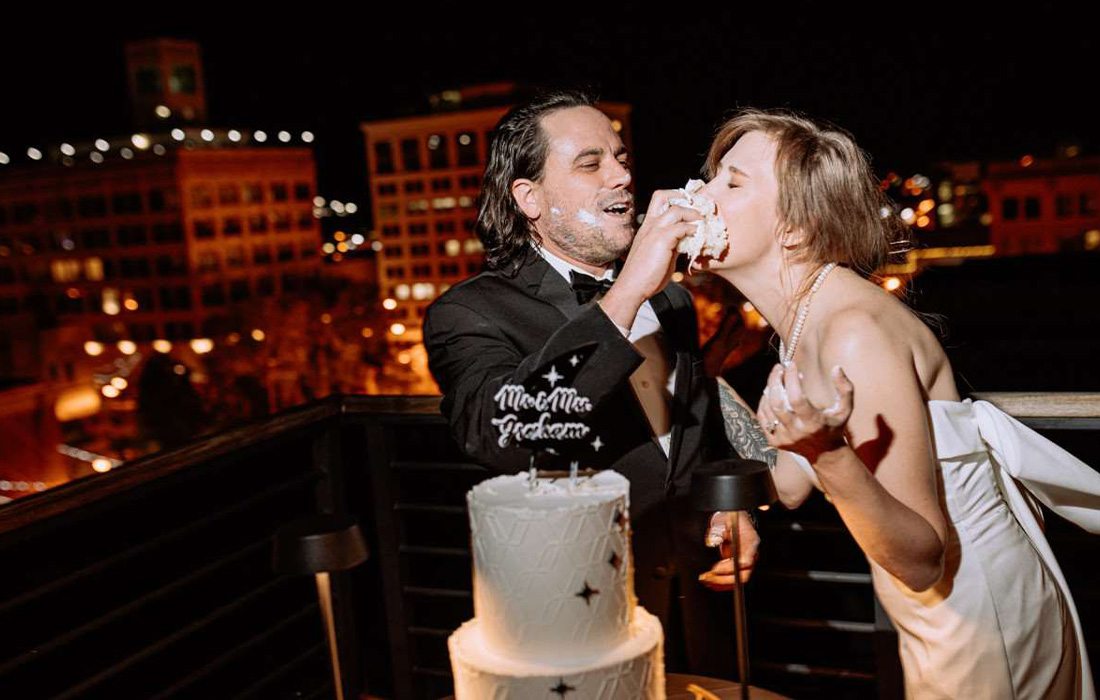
(621, 307)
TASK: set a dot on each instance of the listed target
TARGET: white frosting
(709, 238)
(537, 550)
(632, 670)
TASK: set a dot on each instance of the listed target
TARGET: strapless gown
(1001, 623)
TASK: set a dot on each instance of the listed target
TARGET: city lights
(284, 136)
(351, 207)
(358, 239)
(162, 111)
(891, 283)
(67, 149)
(318, 201)
(131, 304)
(677, 277)
(162, 346)
(119, 383)
(93, 348)
(258, 335)
(96, 157)
(206, 135)
(4, 158)
(102, 145)
(34, 153)
(141, 141)
(178, 134)
(397, 329)
(126, 153)
(201, 346)
(389, 304)
(110, 391)
(101, 465)
(367, 332)
(259, 136)
(234, 135)
(127, 347)
(307, 136)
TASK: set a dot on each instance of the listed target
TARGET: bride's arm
(746, 437)
(882, 480)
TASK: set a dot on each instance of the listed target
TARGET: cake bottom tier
(634, 669)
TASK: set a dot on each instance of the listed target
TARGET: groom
(555, 217)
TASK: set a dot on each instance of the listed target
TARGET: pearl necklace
(787, 354)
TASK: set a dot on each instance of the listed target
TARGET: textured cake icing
(709, 238)
(554, 605)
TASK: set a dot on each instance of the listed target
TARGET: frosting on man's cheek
(586, 217)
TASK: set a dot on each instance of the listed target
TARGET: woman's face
(746, 192)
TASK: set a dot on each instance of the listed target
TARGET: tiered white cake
(554, 609)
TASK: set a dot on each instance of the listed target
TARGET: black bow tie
(587, 287)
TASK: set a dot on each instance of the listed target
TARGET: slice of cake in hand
(709, 239)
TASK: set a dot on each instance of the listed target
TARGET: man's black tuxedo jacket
(499, 328)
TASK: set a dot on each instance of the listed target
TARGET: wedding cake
(554, 609)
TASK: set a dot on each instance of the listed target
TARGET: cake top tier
(514, 491)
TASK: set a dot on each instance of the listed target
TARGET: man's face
(586, 212)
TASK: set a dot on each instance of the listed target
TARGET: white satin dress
(1001, 623)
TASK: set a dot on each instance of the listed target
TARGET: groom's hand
(652, 258)
(720, 576)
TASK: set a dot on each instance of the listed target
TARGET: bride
(864, 407)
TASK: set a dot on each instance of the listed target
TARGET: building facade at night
(1040, 205)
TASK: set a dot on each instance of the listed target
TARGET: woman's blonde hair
(826, 190)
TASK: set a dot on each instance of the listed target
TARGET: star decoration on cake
(552, 376)
(587, 592)
(621, 519)
(597, 443)
(615, 561)
(562, 688)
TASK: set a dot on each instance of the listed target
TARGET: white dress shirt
(655, 378)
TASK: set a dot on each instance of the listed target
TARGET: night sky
(914, 88)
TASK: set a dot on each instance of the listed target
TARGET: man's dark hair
(518, 151)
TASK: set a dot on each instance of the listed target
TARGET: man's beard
(588, 243)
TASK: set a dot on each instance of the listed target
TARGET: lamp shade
(732, 484)
(319, 543)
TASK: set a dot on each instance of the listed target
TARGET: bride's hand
(792, 423)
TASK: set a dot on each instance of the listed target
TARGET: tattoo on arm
(743, 431)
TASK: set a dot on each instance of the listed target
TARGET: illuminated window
(65, 270)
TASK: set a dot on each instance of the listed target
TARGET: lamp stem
(324, 593)
(739, 611)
